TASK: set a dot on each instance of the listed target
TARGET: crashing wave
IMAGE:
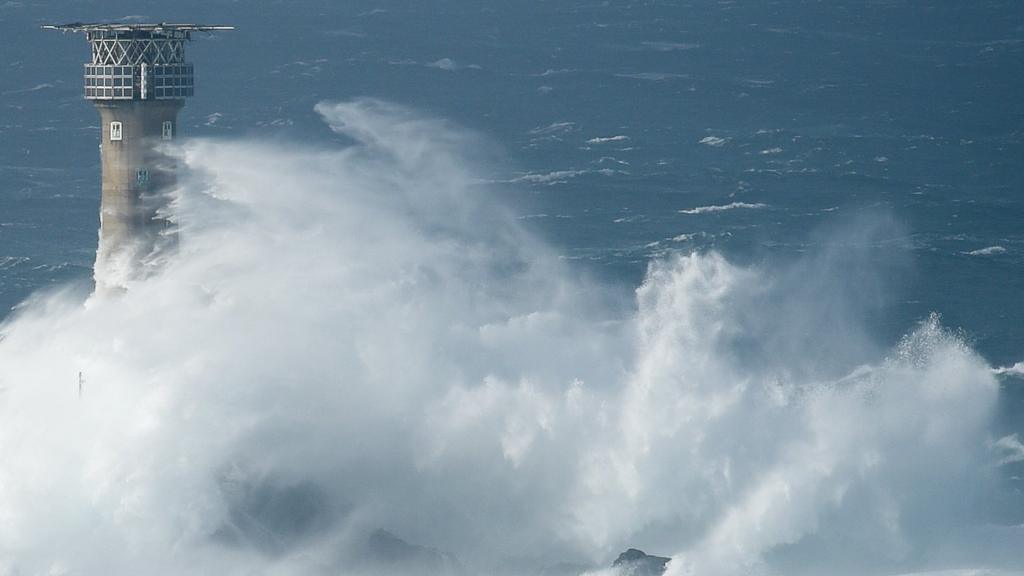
(357, 343)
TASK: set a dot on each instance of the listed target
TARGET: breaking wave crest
(723, 208)
(361, 364)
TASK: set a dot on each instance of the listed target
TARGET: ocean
(828, 188)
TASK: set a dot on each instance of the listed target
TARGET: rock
(635, 562)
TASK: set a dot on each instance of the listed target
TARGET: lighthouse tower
(138, 80)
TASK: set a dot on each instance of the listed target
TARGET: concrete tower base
(137, 178)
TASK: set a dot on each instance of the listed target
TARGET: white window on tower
(115, 131)
(168, 130)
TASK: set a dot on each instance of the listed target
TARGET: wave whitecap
(987, 251)
(724, 207)
(606, 139)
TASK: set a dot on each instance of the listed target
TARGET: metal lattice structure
(116, 50)
(138, 61)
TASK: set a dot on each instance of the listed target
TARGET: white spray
(361, 339)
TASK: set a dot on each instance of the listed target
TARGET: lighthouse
(138, 79)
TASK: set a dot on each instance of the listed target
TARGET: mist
(362, 338)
